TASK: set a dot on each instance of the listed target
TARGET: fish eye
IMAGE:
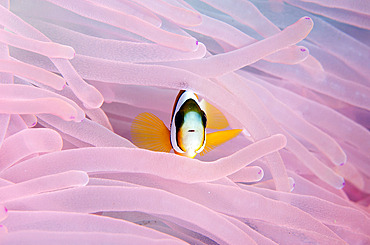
(179, 119)
(204, 119)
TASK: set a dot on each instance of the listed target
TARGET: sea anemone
(293, 74)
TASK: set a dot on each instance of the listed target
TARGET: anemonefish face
(188, 125)
(187, 135)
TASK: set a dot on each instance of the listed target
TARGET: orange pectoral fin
(149, 132)
(218, 138)
(215, 118)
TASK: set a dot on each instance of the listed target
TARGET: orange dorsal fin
(215, 118)
(149, 132)
(218, 138)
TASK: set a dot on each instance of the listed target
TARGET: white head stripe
(184, 97)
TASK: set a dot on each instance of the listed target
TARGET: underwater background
(294, 75)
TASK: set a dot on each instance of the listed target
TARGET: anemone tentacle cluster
(293, 74)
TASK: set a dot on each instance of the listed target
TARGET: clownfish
(187, 135)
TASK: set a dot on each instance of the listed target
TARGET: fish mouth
(187, 154)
